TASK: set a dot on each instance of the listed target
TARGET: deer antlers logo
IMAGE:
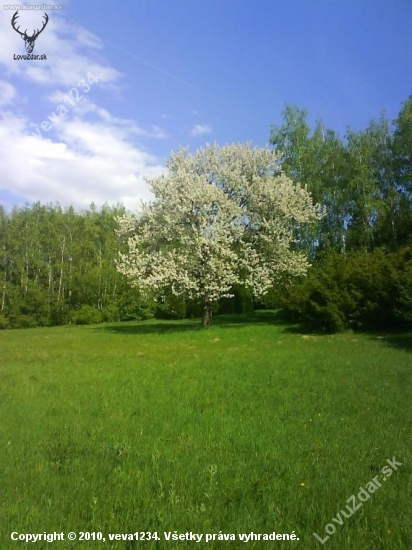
(28, 40)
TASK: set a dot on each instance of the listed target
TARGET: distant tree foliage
(365, 179)
(58, 266)
(361, 277)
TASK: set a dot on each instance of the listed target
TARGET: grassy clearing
(247, 426)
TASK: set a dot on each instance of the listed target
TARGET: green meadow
(249, 426)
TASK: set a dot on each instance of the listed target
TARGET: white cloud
(86, 107)
(87, 162)
(7, 93)
(89, 154)
(157, 132)
(201, 129)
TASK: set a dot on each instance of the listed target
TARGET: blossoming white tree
(224, 216)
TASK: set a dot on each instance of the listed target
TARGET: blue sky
(175, 73)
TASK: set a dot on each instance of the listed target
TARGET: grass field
(162, 427)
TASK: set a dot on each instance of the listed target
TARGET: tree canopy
(224, 216)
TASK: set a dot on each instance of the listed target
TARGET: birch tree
(224, 216)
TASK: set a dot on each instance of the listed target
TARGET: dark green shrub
(59, 314)
(22, 321)
(110, 314)
(86, 315)
(4, 322)
(358, 291)
(403, 305)
(171, 307)
(132, 307)
(241, 302)
(193, 309)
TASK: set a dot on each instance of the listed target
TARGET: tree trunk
(63, 246)
(100, 297)
(207, 315)
(3, 300)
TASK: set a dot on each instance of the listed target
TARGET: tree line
(361, 250)
(58, 266)
(61, 266)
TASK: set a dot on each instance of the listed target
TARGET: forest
(58, 265)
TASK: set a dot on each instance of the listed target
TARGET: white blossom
(224, 216)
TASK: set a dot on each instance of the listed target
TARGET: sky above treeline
(126, 83)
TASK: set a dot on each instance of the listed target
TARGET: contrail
(162, 71)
